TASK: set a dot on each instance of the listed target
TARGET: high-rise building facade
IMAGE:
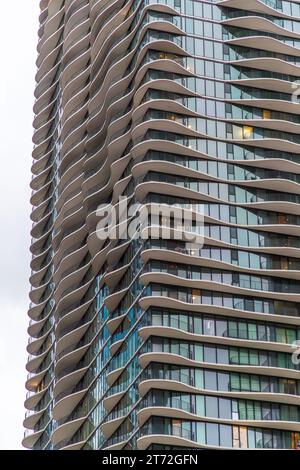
(157, 342)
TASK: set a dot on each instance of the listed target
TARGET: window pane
(212, 434)
(225, 408)
(225, 436)
(210, 380)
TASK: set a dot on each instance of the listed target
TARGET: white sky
(18, 38)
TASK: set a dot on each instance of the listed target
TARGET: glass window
(222, 356)
(261, 332)
(235, 382)
(184, 322)
(184, 375)
(259, 439)
(212, 434)
(254, 358)
(267, 439)
(234, 409)
(236, 436)
(223, 381)
(250, 411)
(252, 333)
(174, 321)
(176, 427)
(225, 408)
(288, 386)
(177, 348)
(225, 436)
(184, 349)
(255, 386)
(264, 384)
(242, 410)
(199, 379)
(243, 437)
(208, 327)
(187, 402)
(209, 354)
(275, 411)
(277, 440)
(244, 358)
(232, 329)
(211, 407)
(201, 433)
(233, 356)
(200, 405)
(197, 325)
(221, 328)
(208, 32)
(291, 336)
(242, 327)
(156, 319)
(198, 353)
(189, 25)
(251, 438)
(210, 380)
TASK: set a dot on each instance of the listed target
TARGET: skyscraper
(164, 340)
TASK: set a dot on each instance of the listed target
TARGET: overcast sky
(18, 38)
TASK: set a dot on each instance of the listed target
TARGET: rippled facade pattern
(145, 344)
